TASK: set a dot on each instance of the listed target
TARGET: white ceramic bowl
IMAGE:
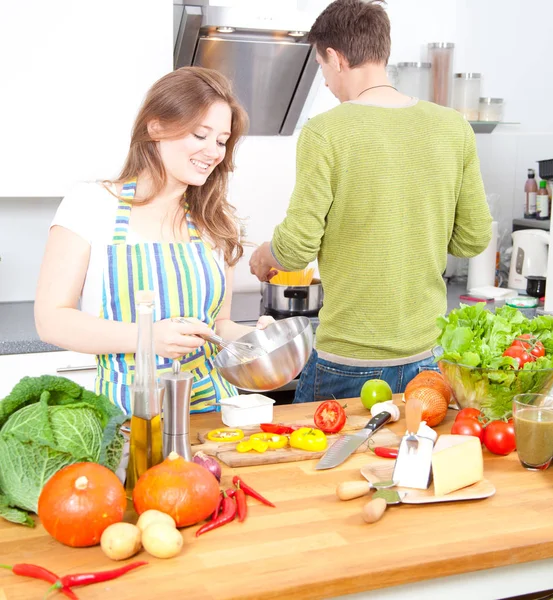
(249, 409)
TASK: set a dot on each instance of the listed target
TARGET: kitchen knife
(346, 445)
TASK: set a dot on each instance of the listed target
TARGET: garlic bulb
(388, 406)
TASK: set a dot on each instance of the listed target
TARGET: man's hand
(262, 263)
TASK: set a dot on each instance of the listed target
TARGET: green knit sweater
(381, 196)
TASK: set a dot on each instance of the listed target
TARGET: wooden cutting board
(227, 454)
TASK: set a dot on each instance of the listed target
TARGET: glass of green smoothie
(533, 419)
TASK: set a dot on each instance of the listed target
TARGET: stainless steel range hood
(266, 56)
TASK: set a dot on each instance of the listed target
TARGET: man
(386, 186)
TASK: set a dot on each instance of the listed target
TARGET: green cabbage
(47, 423)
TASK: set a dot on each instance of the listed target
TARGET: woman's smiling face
(192, 158)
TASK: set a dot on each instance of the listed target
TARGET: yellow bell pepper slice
(225, 434)
(255, 444)
(307, 438)
(274, 440)
(244, 446)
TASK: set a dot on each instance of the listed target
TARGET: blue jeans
(322, 379)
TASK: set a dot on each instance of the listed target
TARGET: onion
(208, 462)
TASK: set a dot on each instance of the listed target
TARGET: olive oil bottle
(146, 445)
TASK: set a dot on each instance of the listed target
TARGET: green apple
(373, 391)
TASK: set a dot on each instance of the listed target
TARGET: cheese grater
(346, 445)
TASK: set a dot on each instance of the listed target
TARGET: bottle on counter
(146, 445)
(542, 201)
(531, 192)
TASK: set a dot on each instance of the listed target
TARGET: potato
(120, 541)
(151, 516)
(162, 540)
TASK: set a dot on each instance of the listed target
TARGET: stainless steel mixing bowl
(288, 344)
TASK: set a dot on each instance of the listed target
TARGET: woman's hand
(173, 339)
(264, 321)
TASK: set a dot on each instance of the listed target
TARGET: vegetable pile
(512, 355)
(47, 423)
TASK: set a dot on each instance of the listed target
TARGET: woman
(164, 224)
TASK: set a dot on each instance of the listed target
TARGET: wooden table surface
(312, 545)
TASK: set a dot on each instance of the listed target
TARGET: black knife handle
(377, 422)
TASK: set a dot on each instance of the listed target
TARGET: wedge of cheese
(456, 462)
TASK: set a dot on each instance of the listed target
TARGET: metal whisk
(244, 352)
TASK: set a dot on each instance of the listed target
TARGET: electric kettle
(529, 256)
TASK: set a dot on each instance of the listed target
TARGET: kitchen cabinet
(73, 77)
(78, 367)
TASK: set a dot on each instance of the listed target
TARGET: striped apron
(187, 282)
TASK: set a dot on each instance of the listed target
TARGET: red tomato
(330, 417)
(533, 345)
(499, 437)
(468, 426)
(520, 355)
(468, 413)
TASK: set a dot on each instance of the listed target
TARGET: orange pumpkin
(79, 502)
(182, 489)
(433, 404)
(431, 379)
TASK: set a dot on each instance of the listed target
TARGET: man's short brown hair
(359, 30)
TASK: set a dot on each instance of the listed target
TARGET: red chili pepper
(227, 515)
(36, 572)
(98, 577)
(276, 428)
(231, 492)
(250, 491)
(241, 505)
(386, 452)
(215, 513)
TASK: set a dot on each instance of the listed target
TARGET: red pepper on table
(215, 513)
(36, 572)
(68, 581)
(276, 428)
(386, 452)
(241, 505)
(227, 515)
(250, 491)
(231, 492)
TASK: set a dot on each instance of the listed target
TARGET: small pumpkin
(79, 502)
(182, 489)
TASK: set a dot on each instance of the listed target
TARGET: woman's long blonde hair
(178, 101)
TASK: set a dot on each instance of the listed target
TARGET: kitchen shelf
(488, 126)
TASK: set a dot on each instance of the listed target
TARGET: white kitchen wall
(492, 37)
(515, 62)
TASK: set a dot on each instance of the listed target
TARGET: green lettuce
(47, 423)
(472, 336)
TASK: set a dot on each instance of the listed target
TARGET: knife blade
(346, 445)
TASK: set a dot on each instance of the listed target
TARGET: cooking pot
(292, 300)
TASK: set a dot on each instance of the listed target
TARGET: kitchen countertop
(313, 546)
(18, 333)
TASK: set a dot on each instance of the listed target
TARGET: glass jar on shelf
(466, 94)
(490, 109)
(414, 79)
(440, 55)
